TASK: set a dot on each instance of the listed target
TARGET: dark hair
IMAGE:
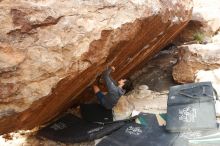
(128, 86)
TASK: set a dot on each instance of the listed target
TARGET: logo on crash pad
(188, 114)
(58, 126)
(133, 130)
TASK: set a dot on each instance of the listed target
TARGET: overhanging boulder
(51, 51)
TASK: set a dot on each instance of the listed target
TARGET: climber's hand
(113, 68)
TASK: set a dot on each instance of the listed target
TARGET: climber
(110, 98)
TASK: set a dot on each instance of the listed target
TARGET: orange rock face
(51, 51)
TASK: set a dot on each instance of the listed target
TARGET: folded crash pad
(71, 129)
(189, 138)
(191, 107)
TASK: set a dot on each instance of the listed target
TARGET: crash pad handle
(216, 94)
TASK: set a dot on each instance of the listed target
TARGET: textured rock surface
(157, 73)
(190, 33)
(152, 102)
(155, 102)
(143, 98)
(207, 12)
(211, 75)
(216, 38)
(122, 109)
(52, 50)
(200, 62)
(205, 22)
(193, 58)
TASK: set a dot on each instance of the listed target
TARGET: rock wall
(205, 22)
(51, 51)
(198, 63)
(193, 58)
(207, 13)
(210, 75)
(199, 58)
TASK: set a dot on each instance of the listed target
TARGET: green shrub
(199, 37)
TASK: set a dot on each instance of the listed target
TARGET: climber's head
(125, 84)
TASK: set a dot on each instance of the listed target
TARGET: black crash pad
(71, 129)
(151, 134)
(132, 134)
